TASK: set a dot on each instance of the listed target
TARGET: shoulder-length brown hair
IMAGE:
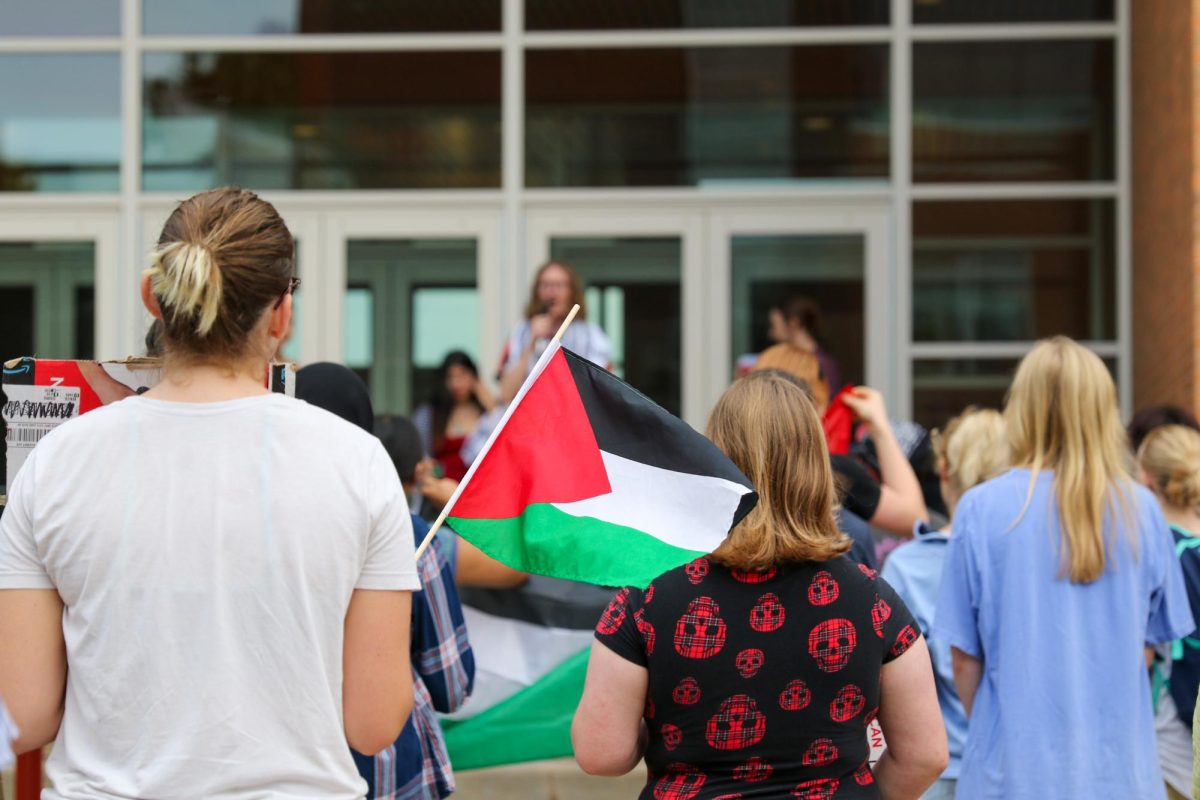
(769, 428)
(534, 306)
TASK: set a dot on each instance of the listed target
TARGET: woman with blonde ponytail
(205, 589)
(1169, 464)
(1059, 573)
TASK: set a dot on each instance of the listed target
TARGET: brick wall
(1166, 216)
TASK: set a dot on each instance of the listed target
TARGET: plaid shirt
(416, 766)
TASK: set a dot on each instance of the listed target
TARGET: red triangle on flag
(546, 453)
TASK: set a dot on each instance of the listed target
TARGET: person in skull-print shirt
(755, 671)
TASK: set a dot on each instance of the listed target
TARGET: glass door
(639, 269)
(824, 270)
(413, 287)
(56, 288)
(47, 299)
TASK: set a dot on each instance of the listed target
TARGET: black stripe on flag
(552, 602)
(631, 425)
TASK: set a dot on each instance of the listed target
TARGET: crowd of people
(212, 590)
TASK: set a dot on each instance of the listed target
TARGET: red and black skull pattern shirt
(762, 684)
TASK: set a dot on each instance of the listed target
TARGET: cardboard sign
(41, 394)
(876, 742)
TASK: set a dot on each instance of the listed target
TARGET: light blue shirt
(915, 571)
(1063, 709)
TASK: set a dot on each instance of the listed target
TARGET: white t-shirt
(206, 554)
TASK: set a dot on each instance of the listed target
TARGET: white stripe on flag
(692, 512)
(511, 654)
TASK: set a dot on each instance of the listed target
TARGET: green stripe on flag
(547, 541)
(533, 724)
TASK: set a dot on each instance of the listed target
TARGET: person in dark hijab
(336, 389)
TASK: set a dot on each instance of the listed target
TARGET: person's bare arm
(968, 673)
(540, 327)
(484, 395)
(513, 375)
(473, 567)
(608, 734)
(33, 663)
(901, 501)
(437, 491)
(912, 726)
(377, 690)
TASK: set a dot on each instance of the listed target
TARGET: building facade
(949, 179)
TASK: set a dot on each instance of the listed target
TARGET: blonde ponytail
(223, 260)
(187, 281)
(1170, 456)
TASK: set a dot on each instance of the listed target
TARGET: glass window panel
(634, 295)
(60, 18)
(48, 307)
(969, 11)
(444, 319)
(828, 269)
(360, 327)
(265, 17)
(60, 122)
(720, 116)
(16, 321)
(642, 14)
(942, 388)
(321, 120)
(85, 321)
(1013, 111)
(1014, 270)
(424, 305)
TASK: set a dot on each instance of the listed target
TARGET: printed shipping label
(30, 413)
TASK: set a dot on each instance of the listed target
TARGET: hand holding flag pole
(441, 519)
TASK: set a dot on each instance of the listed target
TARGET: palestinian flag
(531, 649)
(586, 478)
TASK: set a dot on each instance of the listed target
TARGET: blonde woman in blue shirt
(1059, 574)
(971, 449)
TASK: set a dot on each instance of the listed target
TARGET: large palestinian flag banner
(588, 479)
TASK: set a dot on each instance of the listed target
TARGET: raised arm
(33, 663)
(901, 502)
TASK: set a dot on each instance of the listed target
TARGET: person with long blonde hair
(755, 670)
(1169, 465)
(1058, 574)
